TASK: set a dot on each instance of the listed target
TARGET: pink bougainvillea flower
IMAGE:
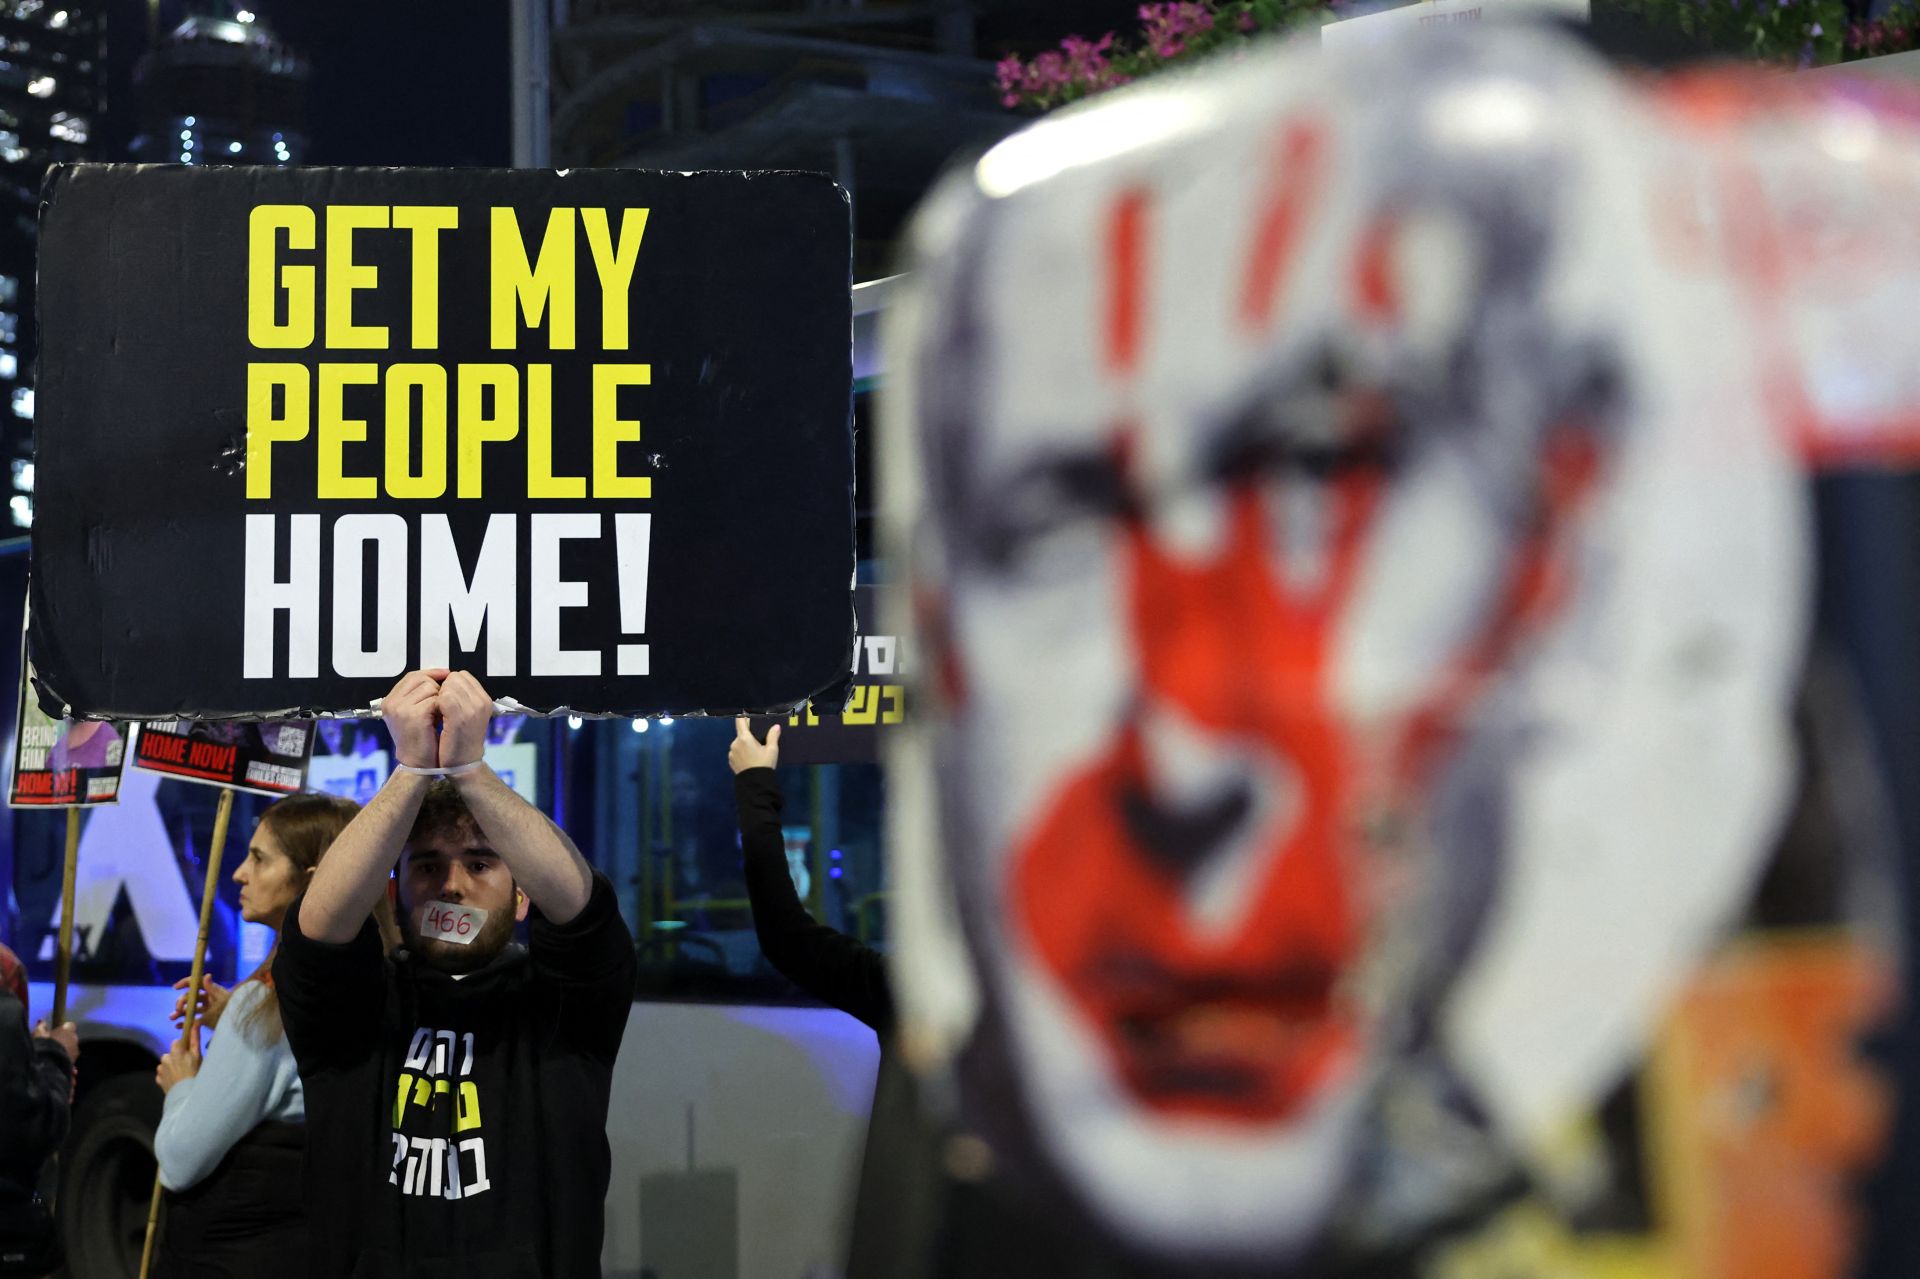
(1048, 72)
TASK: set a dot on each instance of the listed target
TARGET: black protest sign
(63, 763)
(875, 701)
(587, 435)
(269, 758)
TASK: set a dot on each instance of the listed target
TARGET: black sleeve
(36, 1078)
(332, 997)
(590, 962)
(832, 967)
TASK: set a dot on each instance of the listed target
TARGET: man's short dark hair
(443, 811)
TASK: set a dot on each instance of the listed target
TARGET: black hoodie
(832, 967)
(35, 1079)
(458, 1127)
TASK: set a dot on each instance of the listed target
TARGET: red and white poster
(268, 758)
(1368, 805)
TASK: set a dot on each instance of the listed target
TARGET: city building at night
(52, 92)
(221, 91)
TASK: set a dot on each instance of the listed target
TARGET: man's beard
(452, 957)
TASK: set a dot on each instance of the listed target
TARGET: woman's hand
(181, 1062)
(213, 1002)
(748, 752)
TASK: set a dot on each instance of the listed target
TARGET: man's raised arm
(353, 874)
(544, 862)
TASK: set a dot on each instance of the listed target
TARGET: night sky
(403, 81)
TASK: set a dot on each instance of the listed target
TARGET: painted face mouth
(1254, 1047)
(1246, 1023)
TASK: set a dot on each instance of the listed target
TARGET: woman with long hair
(231, 1137)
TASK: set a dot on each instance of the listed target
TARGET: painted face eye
(1320, 430)
(1051, 507)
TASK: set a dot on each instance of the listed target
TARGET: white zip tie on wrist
(455, 771)
(501, 706)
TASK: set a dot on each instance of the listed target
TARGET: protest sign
(268, 759)
(63, 763)
(587, 435)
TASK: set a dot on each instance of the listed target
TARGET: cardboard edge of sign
(833, 689)
(834, 692)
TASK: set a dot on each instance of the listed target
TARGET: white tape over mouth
(449, 922)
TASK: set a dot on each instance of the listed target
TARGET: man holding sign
(479, 1068)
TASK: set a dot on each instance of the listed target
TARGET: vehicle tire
(106, 1178)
